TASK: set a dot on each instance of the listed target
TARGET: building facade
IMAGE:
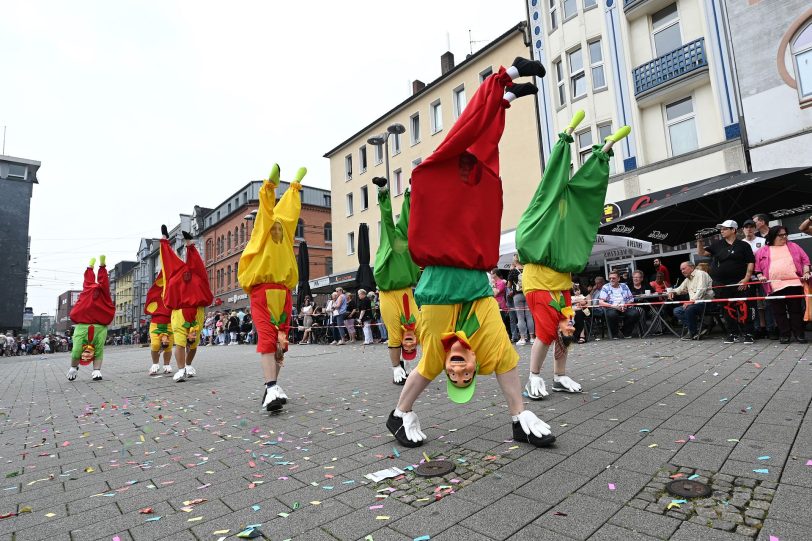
(122, 280)
(772, 42)
(427, 115)
(227, 229)
(17, 179)
(64, 304)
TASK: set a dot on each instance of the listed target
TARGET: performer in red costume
(92, 313)
(161, 337)
(186, 292)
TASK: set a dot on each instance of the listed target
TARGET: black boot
(529, 67)
(524, 89)
(380, 182)
(186, 235)
(395, 426)
(164, 231)
(519, 435)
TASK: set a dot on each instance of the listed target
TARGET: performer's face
(409, 340)
(276, 232)
(164, 341)
(566, 331)
(88, 355)
(191, 337)
(460, 365)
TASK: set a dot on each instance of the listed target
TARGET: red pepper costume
(95, 304)
(186, 283)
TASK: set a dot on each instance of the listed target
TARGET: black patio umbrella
(364, 278)
(695, 212)
(303, 289)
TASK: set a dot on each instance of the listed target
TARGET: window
(584, 146)
(577, 77)
(348, 167)
(362, 159)
(596, 63)
(351, 243)
(228, 276)
(484, 74)
(328, 232)
(242, 233)
(681, 126)
(570, 9)
(436, 116)
(459, 100)
(236, 274)
(395, 144)
(349, 204)
(228, 241)
(398, 182)
(559, 77)
(590, 4)
(553, 14)
(802, 61)
(229, 209)
(244, 198)
(328, 265)
(416, 162)
(364, 197)
(328, 200)
(17, 171)
(378, 154)
(300, 225)
(236, 235)
(665, 30)
(604, 131)
(209, 245)
(414, 123)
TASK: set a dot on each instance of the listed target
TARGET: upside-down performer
(161, 337)
(267, 272)
(92, 313)
(396, 274)
(454, 232)
(186, 292)
(554, 238)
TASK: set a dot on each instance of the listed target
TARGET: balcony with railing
(677, 65)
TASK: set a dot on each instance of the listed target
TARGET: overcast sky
(138, 110)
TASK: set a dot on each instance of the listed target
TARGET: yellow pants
(391, 303)
(155, 338)
(181, 333)
(491, 343)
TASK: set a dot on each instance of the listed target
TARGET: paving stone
(644, 522)
(584, 515)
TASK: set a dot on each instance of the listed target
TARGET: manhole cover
(434, 468)
(688, 489)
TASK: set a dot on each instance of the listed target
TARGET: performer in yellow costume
(161, 337)
(267, 273)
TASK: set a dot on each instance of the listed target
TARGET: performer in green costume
(396, 274)
(554, 238)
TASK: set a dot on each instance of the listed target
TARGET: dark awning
(695, 211)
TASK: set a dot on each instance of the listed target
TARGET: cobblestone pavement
(85, 461)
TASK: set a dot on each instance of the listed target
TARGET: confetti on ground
(765, 457)
(195, 519)
(145, 511)
(382, 517)
(809, 462)
(49, 515)
(220, 532)
(315, 502)
(256, 507)
(761, 470)
(652, 446)
(560, 514)
(611, 486)
(644, 430)
(679, 393)
(422, 538)
(153, 519)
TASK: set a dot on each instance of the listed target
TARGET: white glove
(535, 387)
(531, 423)
(411, 427)
(571, 385)
(398, 375)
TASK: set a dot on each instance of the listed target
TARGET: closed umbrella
(364, 278)
(303, 289)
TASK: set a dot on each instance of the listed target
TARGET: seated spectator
(581, 307)
(659, 284)
(614, 298)
(697, 284)
(659, 267)
(637, 287)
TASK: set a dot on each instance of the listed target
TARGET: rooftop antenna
(471, 41)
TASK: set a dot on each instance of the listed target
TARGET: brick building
(227, 230)
(64, 304)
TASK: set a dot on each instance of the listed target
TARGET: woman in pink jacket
(781, 265)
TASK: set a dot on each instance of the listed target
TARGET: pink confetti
(116, 538)
(757, 365)
(809, 462)
(692, 438)
(252, 464)
(376, 506)
(65, 444)
(611, 486)
(774, 538)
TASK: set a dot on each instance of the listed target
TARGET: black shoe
(784, 340)
(395, 426)
(164, 231)
(801, 340)
(524, 89)
(774, 334)
(731, 339)
(748, 339)
(519, 435)
(529, 67)
(186, 235)
(380, 182)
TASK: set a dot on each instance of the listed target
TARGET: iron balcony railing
(690, 57)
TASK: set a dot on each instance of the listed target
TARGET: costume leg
(526, 425)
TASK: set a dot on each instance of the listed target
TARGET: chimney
(417, 86)
(446, 62)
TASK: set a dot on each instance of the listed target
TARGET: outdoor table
(656, 311)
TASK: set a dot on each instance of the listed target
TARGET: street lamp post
(383, 140)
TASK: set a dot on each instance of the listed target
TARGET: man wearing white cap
(732, 267)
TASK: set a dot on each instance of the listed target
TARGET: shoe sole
(97, 379)
(536, 398)
(275, 405)
(402, 382)
(556, 390)
(544, 441)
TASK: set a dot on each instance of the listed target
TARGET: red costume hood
(155, 306)
(186, 283)
(95, 304)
